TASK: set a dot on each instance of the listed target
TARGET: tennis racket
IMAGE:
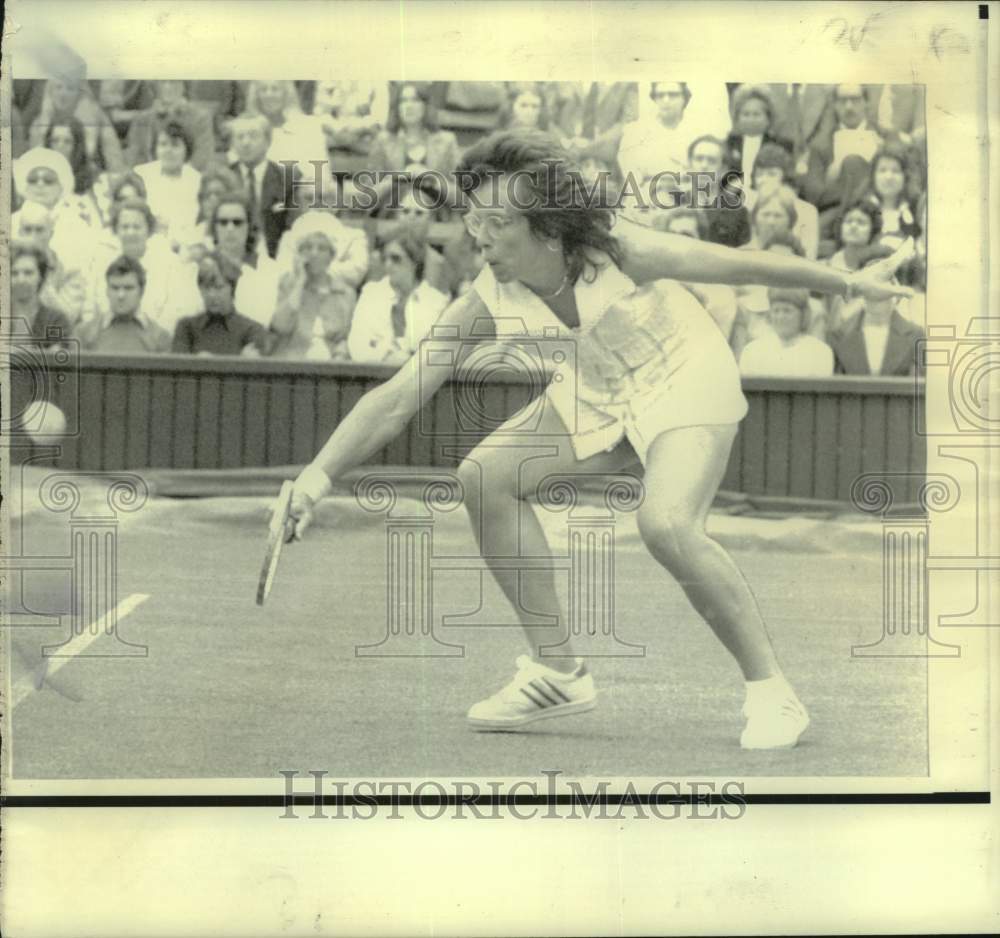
(279, 533)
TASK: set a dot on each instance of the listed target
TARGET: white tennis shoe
(536, 693)
(774, 721)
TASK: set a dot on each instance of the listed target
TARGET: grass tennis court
(229, 689)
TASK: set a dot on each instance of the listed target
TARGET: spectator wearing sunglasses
(395, 313)
(217, 181)
(232, 234)
(44, 177)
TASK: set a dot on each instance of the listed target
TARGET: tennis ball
(44, 422)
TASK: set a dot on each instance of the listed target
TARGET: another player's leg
(500, 476)
(684, 468)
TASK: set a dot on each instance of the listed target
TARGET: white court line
(76, 645)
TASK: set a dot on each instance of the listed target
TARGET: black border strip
(603, 798)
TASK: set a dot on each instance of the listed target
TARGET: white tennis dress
(648, 359)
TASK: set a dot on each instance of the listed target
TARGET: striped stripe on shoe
(536, 693)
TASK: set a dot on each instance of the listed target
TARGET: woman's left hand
(875, 282)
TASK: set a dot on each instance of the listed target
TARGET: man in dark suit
(878, 340)
(592, 115)
(268, 185)
(799, 113)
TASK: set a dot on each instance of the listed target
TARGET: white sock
(775, 686)
(578, 671)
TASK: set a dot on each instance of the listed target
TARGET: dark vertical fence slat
(279, 422)
(304, 443)
(137, 426)
(898, 430)
(445, 423)
(161, 419)
(328, 409)
(92, 404)
(874, 433)
(185, 422)
(849, 451)
(778, 456)
(207, 423)
(256, 422)
(116, 405)
(231, 422)
(826, 443)
(802, 445)
(754, 425)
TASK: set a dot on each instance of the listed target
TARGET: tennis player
(655, 383)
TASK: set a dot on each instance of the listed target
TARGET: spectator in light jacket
(395, 313)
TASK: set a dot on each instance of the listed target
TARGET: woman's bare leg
(500, 476)
(683, 470)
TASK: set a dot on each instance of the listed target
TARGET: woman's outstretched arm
(655, 255)
(383, 413)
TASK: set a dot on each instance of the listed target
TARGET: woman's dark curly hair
(867, 207)
(559, 204)
(78, 161)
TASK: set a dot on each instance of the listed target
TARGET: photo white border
(944, 46)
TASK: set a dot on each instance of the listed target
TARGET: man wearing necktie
(268, 186)
(591, 116)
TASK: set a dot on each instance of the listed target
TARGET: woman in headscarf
(316, 298)
(45, 176)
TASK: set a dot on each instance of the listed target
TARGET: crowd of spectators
(156, 216)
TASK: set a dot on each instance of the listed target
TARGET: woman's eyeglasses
(42, 179)
(234, 222)
(493, 225)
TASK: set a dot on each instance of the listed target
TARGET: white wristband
(313, 482)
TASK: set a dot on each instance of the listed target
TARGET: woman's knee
(671, 538)
(481, 485)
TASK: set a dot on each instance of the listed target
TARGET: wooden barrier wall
(805, 439)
